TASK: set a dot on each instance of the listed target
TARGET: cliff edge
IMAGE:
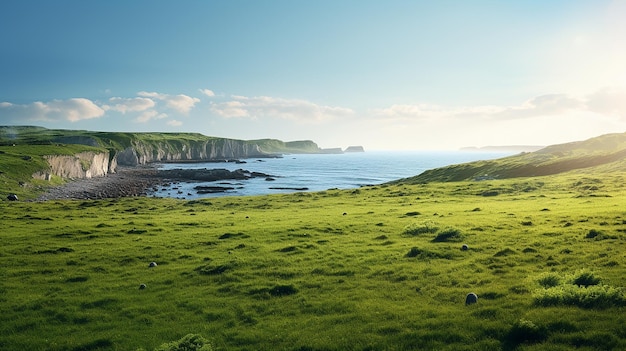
(87, 154)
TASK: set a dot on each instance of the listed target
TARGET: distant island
(337, 150)
(355, 149)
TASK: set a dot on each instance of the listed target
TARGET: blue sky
(382, 74)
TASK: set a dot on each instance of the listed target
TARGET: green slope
(600, 154)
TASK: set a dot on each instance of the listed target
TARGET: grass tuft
(449, 235)
(426, 227)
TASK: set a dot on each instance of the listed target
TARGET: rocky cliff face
(82, 165)
(142, 153)
(93, 164)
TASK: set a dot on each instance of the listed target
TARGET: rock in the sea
(142, 286)
(471, 298)
(464, 247)
(12, 197)
(289, 188)
(152, 264)
(355, 149)
(203, 189)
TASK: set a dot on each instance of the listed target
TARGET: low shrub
(549, 280)
(276, 291)
(426, 254)
(414, 229)
(595, 296)
(449, 234)
(585, 278)
(581, 289)
(525, 332)
(213, 270)
(593, 234)
(189, 342)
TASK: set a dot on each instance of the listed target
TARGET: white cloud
(207, 92)
(180, 103)
(230, 109)
(609, 101)
(544, 105)
(124, 105)
(150, 115)
(154, 95)
(174, 123)
(542, 120)
(265, 106)
(427, 112)
(72, 110)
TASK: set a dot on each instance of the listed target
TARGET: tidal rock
(152, 264)
(202, 189)
(12, 197)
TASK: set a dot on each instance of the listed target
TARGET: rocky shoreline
(139, 181)
(126, 182)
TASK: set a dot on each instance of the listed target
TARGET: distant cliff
(142, 152)
(132, 149)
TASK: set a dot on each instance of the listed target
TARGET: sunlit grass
(335, 270)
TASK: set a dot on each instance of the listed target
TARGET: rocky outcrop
(86, 164)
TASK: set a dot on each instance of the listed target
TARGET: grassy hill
(605, 153)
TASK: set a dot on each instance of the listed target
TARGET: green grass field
(376, 268)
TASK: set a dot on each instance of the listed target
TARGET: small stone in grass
(471, 298)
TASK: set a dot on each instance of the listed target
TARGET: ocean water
(321, 171)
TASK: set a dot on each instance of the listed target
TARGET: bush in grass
(525, 332)
(595, 296)
(189, 342)
(549, 280)
(593, 234)
(426, 254)
(581, 289)
(414, 229)
(585, 278)
(449, 234)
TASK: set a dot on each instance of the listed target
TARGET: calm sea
(321, 172)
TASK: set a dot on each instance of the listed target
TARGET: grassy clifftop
(117, 141)
(603, 153)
